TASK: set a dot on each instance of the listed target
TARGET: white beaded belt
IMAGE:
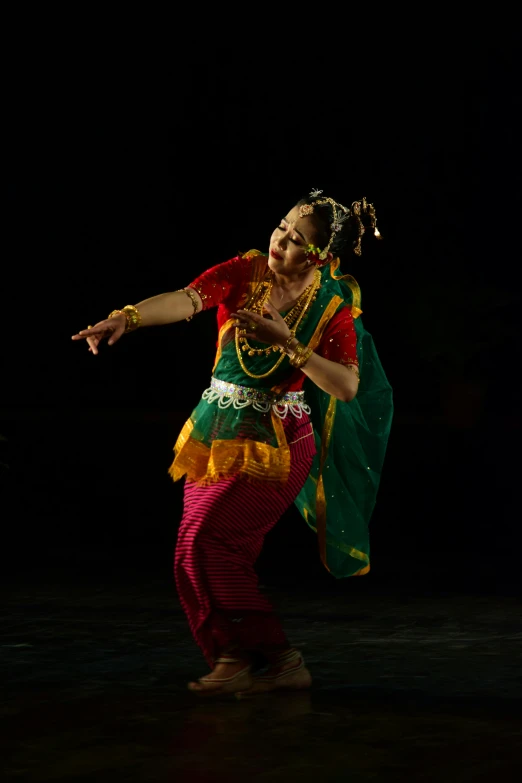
(227, 394)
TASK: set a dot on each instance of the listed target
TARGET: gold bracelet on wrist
(302, 359)
(286, 346)
(132, 317)
(299, 348)
(296, 352)
(192, 296)
(300, 356)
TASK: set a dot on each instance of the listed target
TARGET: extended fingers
(92, 342)
(93, 335)
(274, 313)
(85, 333)
(247, 315)
(98, 329)
(245, 318)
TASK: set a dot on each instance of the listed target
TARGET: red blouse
(224, 286)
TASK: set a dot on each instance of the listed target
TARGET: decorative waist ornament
(227, 394)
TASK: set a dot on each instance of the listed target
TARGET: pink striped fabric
(219, 540)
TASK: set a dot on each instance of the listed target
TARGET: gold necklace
(293, 319)
(257, 303)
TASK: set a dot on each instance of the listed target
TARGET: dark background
(127, 178)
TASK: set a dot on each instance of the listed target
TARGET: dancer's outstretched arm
(158, 310)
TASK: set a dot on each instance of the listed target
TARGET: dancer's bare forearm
(167, 308)
(332, 377)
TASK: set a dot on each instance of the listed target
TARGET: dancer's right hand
(111, 328)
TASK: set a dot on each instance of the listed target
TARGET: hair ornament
(340, 215)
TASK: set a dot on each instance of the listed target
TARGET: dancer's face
(288, 244)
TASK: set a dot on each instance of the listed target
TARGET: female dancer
(298, 410)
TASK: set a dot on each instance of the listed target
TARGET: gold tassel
(373, 220)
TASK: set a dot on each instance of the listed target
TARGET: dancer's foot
(228, 676)
(292, 675)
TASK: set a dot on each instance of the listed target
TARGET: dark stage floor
(407, 687)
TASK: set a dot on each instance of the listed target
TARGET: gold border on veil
(352, 284)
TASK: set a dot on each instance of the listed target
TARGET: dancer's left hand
(273, 330)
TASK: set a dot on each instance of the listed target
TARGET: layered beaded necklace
(293, 320)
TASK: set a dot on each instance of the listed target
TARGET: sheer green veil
(339, 495)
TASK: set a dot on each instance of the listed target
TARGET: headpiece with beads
(340, 215)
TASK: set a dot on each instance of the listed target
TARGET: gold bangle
(302, 359)
(132, 314)
(192, 296)
(132, 317)
(300, 356)
(299, 348)
(286, 346)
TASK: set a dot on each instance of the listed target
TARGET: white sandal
(240, 681)
(297, 678)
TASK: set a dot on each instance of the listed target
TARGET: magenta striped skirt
(220, 538)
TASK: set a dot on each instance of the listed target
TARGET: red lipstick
(275, 255)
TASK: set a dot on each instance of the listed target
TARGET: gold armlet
(192, 296)
(354, 368)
